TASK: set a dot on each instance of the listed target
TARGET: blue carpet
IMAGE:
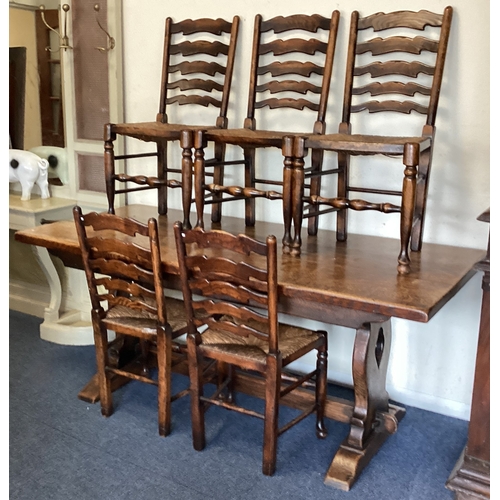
(62, 448)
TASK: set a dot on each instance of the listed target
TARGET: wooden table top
(357, 275)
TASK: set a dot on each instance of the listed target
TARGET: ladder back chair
(291, 68)
(122, 263)
(230, 285)
(395, 65)
(198, 61)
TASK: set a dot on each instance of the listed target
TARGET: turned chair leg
(109, 167)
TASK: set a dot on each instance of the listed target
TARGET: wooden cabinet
(470, 478)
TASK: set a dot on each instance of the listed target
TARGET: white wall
(431, 364)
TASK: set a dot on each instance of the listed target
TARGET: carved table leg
(69, 327)
(51, 313)
(373, 419)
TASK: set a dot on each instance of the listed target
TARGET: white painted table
(73, 327)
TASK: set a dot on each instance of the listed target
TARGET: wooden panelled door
(92, 90)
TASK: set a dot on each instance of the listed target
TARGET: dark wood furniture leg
(249, 155)
(294, 153)
(470, 479)
(122, 353)
(371, 402)
(199, 144)
(109, 166)
(287, 150)
(344, 164)
(424, 170)
(410, 159)
(219, 155)
(186, 143)
(162, 172)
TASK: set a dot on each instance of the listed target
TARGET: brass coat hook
(111, 40)
(63, 37)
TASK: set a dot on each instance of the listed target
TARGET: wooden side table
(470, 479)
(70, 327)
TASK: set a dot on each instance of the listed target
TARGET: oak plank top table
(352, 283)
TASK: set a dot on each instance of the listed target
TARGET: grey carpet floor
(61, 448)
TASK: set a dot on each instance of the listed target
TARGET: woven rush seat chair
(122, 263)
(394, 70)
(230, 287)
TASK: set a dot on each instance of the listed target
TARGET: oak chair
(230, 286)
(291, 68)
(122, 263)
(395, 65)
(198, 61)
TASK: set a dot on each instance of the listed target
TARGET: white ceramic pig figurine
(29, 169)
(58, 161)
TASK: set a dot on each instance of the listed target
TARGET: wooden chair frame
(236, 278)
(415, 183)
(125, 284)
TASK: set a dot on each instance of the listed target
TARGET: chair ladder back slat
(120, 285)
(224, 268)
(413, 69)
(228, 290)
(121, 268)
(106, 247)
